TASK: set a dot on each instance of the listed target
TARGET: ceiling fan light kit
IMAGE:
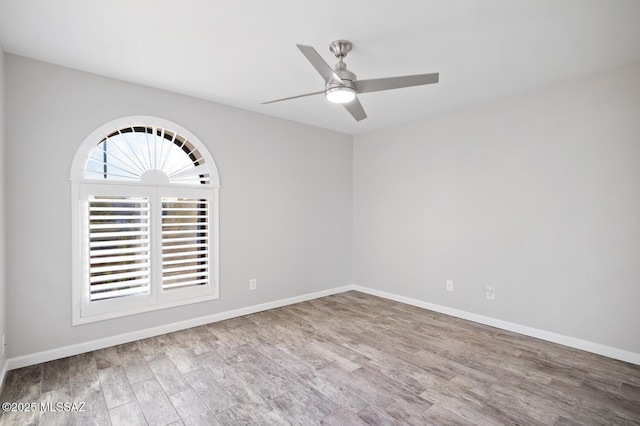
(340, 95)
(342, 86)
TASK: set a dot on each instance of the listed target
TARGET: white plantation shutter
(185, 242)
(119, 246)
(146, 212)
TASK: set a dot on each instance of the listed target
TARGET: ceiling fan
(342, 86)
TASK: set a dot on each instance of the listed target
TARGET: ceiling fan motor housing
(345, 75)
(344, 90)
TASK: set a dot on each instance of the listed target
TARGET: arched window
(145, 220)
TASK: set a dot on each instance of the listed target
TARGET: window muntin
(146, 220)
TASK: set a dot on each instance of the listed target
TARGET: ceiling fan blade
(355, 109)
(293, 97)
(378, 84)
(319, 64)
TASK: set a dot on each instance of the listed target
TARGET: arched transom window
(147, 154)
(145, 195)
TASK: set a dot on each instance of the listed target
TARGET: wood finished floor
(348, 359)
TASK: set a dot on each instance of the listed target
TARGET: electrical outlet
(4, 344)
(491, 293)
(449, 285)
(252, 284)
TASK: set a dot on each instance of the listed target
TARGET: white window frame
(83, 309)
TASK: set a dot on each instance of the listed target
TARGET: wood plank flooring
(348, 359)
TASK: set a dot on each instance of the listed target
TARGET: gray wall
(536, 194)
(3, 274)
(285, 215)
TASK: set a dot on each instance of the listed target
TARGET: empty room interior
(343, 213)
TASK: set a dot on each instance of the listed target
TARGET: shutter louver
(185, 242)
(119, 246)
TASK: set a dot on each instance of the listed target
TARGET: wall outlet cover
(491, 293)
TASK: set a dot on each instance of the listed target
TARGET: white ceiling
(243, 52)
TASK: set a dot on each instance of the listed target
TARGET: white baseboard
(571, 342)
(49, 355)
(3, 373)
(65, 351)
